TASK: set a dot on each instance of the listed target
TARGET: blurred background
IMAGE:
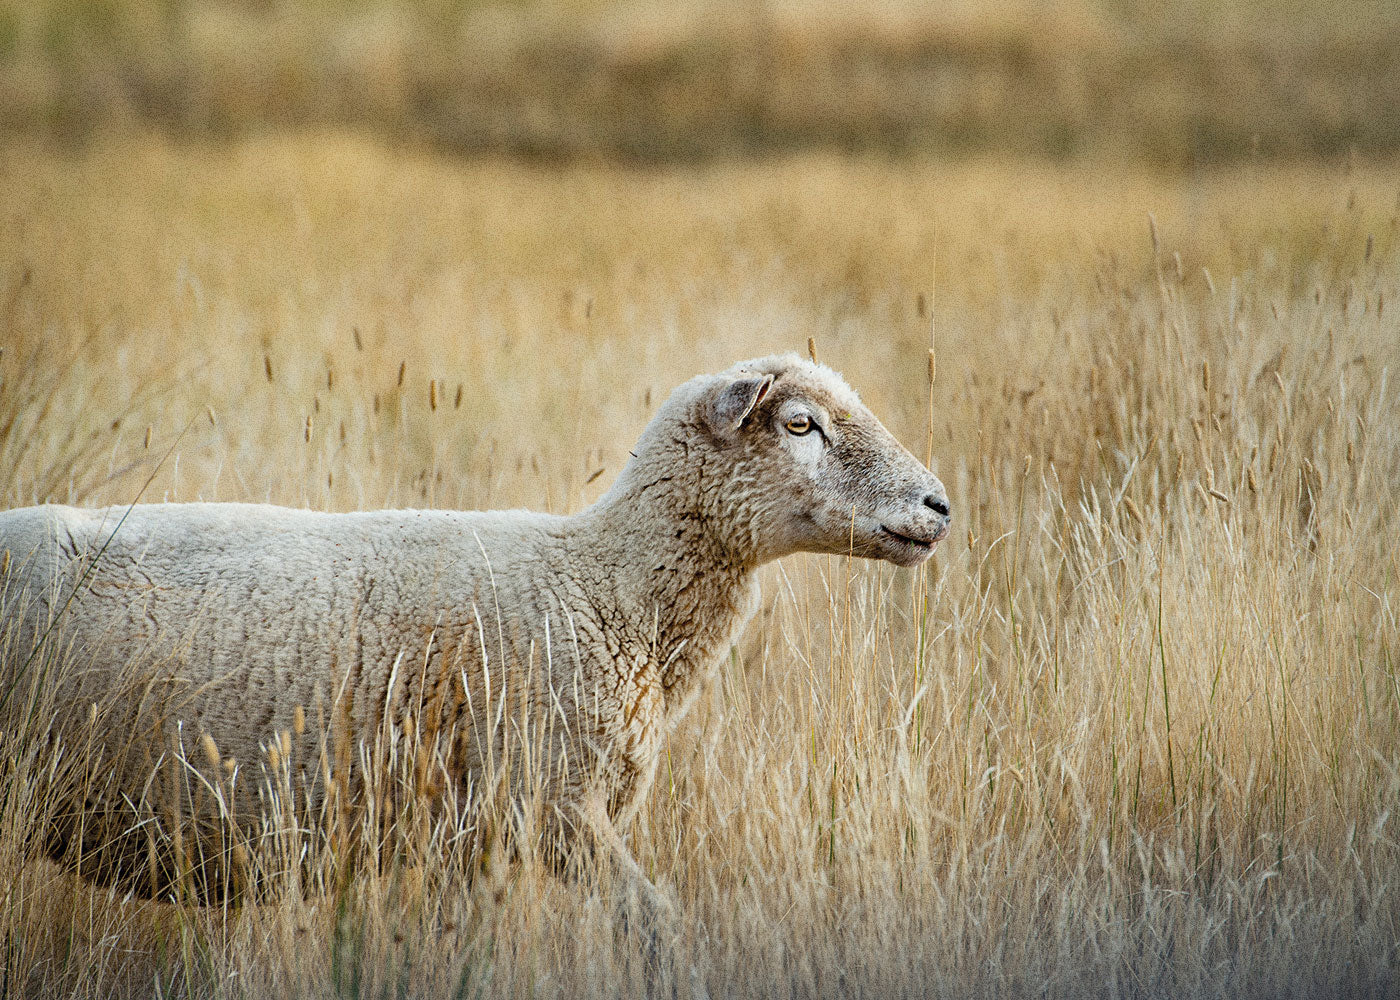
(1169, 83)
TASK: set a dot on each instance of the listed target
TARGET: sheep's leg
(658, 910)
(646, 907)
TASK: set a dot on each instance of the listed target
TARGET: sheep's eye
(799, 424)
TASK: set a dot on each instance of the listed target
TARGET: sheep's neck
(687, 591)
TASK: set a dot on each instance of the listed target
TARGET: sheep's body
(419, 619)
(260, 610)
(600, 627)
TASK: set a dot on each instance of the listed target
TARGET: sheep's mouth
(923, 544)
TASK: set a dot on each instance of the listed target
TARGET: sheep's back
(246, 612)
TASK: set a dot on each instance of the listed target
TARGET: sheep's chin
(903, 551)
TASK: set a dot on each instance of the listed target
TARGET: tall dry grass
(1134, 731)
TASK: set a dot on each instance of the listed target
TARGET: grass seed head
(211, 750)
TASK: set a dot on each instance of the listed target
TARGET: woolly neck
(681, 583)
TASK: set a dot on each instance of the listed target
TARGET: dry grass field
(1134, 732)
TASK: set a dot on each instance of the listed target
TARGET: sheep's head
(812, 468)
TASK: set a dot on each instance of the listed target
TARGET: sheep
(439, 624)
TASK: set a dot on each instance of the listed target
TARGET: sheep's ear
(730, 404)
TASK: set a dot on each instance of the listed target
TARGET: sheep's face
(819, 472)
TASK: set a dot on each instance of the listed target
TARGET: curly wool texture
(240, 621)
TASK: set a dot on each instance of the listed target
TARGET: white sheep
(250, 620)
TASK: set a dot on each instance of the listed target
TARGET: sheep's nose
(938, 504)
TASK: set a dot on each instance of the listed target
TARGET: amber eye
(799, 424)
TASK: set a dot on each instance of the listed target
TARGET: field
(1134, 732)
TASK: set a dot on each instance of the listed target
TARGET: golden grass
(1134, 732)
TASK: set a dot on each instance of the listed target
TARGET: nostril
(938, 504)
